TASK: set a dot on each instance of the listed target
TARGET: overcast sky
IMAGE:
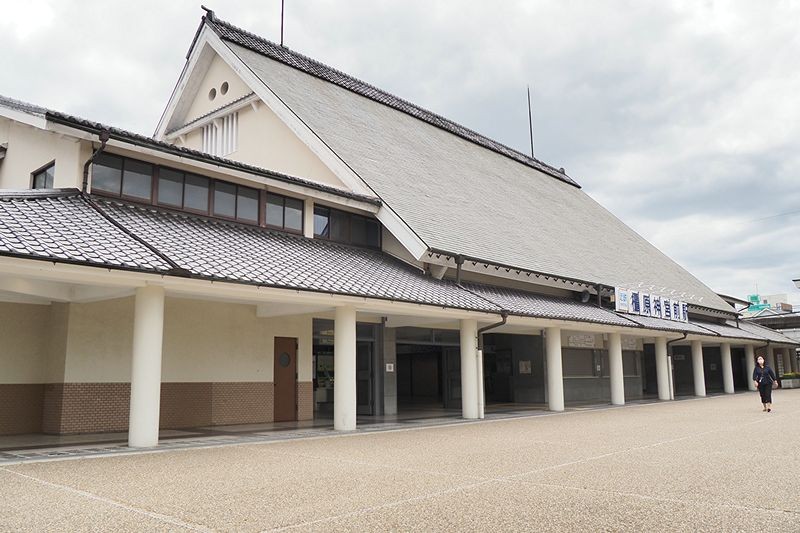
(681, 117)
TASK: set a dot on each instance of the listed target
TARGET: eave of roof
(136, 139)
(228, 32)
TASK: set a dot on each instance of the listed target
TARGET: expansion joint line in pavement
(506, 479)
(72, 490)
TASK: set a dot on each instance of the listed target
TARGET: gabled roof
(459, 192)
(120, 134)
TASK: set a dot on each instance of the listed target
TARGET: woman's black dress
(764, 377)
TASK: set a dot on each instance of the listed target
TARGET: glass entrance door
(364, 389)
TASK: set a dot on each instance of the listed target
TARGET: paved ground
(712, 464)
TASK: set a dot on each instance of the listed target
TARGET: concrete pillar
(615, 369)
(148, 335)
(344, 369)
(555, 376)
(697, 369)
(787, 362)
(771, 358)
(750, 359)
(469, 369)
(727, 367)
(662, 369)
(793, 358)
(308, 219)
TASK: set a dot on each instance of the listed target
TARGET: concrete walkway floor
(698, 465)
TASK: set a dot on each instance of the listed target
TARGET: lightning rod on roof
(282, 6)
(530, 118)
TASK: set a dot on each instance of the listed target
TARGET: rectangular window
(221, 137)
(284, 212)
(322, 217)
(43, 178)
(578, 363)
(137, 179)
(346, 227)
(195, 193)
(170, 187)
(225, 199)
(247, 204)
(107, 174)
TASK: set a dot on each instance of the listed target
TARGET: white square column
(750, 360)
(662, 369)
(344, 369)
(148, 335)
(469, 369)
(617, 376)
(697, 369)
(555, 375)
(727, 367)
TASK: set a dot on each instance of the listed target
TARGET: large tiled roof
(142, 140)
(524, 303)
(310, 66)
(460, 196)
(729, 330)
(62, 226)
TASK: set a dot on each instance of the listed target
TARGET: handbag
(775, 384)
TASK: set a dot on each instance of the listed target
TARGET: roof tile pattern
(303, 63)
(226, 251)
(524, 303)
(64, 227)
(729, 330)
(765, 332)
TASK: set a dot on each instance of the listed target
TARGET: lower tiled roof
(524, 303)
(245, 254)
(765, 332)
(667, 325)
(729, 330)
(62, 226)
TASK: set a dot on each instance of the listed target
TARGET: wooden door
(285, 379)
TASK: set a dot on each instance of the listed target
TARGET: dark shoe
(769, 410)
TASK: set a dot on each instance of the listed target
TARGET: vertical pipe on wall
(148, 334)
(616, 373)
(344, 369)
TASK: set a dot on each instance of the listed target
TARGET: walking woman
(764, 377)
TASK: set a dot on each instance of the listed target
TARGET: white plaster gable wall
(31, 148)
(218, 73)
(265, 141)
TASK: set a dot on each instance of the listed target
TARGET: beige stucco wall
(31, 148)
(23, 342)
(218, 73)
(92, 342)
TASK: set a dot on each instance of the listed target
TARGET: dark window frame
(349, 229)
(283, 227)
(41, 169)
(211, 189)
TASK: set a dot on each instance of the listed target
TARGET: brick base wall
(305, 400)
(21, 408)
(66, 408)
(86, 407)
(242, 403)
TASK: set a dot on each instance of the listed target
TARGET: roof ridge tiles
(340, 78)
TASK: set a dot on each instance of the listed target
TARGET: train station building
(294, 244)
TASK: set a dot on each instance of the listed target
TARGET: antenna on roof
(282, 5)
(530, 118)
